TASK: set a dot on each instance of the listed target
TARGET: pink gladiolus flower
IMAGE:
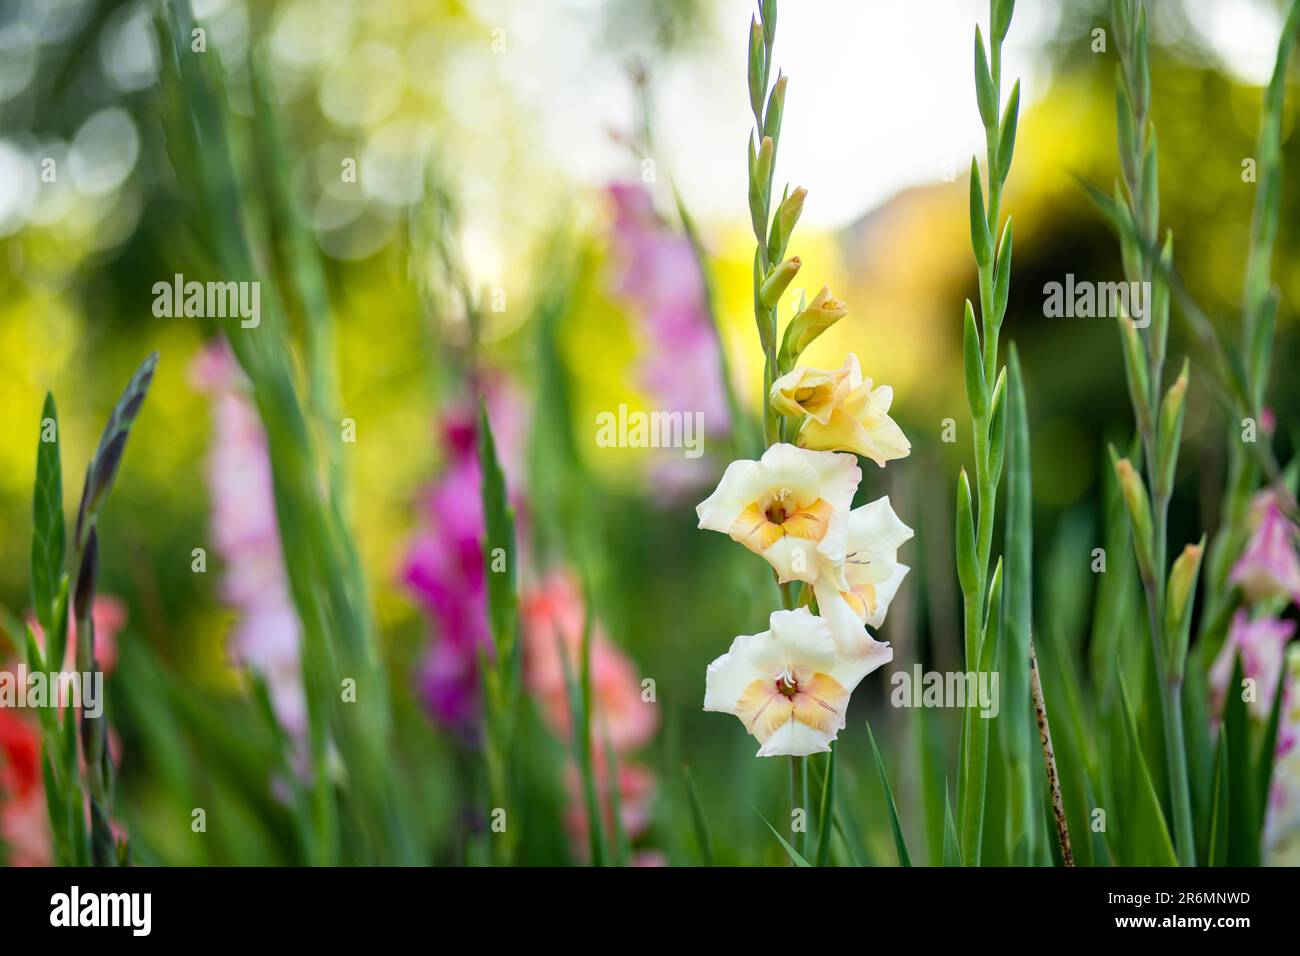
(246, 535)
(660, 280)
(1269, 566)
(553, 621)
(1261, 644)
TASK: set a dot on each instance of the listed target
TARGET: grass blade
(1149, 830)
(791, 851)
(700, 821)
(827, 814)
(49, 537)
(899, 843)
(951, 842)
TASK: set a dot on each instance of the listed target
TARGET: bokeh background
(562, 134)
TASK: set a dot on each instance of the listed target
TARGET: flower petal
(876, 527)
(728, 677)
(885, 591)
(795, 739)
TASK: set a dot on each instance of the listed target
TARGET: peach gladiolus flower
(791, 507)
(859, 421)
(787, 685)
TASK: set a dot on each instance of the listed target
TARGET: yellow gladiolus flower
(859, 421)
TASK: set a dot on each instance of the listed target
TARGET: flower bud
(1139, 513)
(778, 281)
(814, 319)
(1178, 604)
(1171, 431)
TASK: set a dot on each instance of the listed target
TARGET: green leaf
(578, 690)
(698, 819)
(1141, 65)
(827, 813)
(981, 239)
(1002, 276)
(951, 843)
(998, 429)
(1244, 821)
(1220, 809)
(1127, 132)
(986, 94)
(1007, 132)
(1148, 829)
(976, 387)
(1014, 722)
(499, 544)
(49, 537)
(790, 851)
(904, 859)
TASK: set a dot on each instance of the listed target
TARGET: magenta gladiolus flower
(1269, 566)
(246, 535)
(444, 566)
(1261, 644)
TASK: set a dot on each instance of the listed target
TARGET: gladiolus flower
(658, 277)
(787, 503)
(1269, 566)
(24, 826)
(787, 685)
(807, 391)
(1261, 643)
(553, 617)
(245, 532)
(861, 591)
(859, 423)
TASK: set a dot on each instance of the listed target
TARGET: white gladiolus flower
(788, 685)
(858, 592)
(791, 507)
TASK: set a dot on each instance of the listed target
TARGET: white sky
(881, 92)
